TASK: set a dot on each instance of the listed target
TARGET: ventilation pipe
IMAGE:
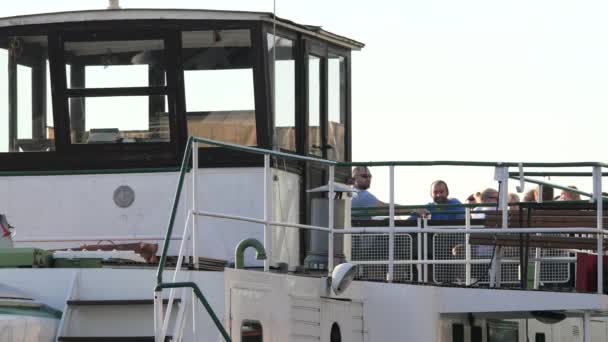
(114, 4)
(239, 254)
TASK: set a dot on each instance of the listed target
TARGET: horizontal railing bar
(462, 205)
(92, 238)
(531, 230)
(419, 206)
(555, 174)
(458, 261)
(263, 151)
(469, 163)
(553, 185)
(480, 230)
(197, 291)
(260, 221)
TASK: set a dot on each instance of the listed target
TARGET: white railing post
(586, 326)
(391, 236)
(267, 211)
(330, 224)
(502, 176)
(194, 203)
(419, 250)
(425, 248)
(537, 257)
(158, 316)
(599, 200)
(467, 246)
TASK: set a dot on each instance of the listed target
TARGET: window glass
(4, 141)
(539, 337)
(111, 64)
(336, 107)
(284, 89)
(25, 125)
(502, 331)
(314, 106)
(218, 79)
(24, 102)
(335, 335)
(104, 120)
(457, 332)
(251, 331)
(114, 65)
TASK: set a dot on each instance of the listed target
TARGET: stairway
(114, 305)
(128, 320)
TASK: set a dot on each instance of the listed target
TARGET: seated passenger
(489, 195)
(569, 195)
(362, 198)
(547, 193)
(513, 200)
(440, 193)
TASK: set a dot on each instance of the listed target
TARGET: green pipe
(469, 163)
(556, 174)
(86, 172)
(263, 151)
(239, 253)
(201, 297)
(178, 192)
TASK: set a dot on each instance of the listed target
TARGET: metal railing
(162, 317)
(502, 175)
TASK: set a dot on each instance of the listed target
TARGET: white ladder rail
(66, 315)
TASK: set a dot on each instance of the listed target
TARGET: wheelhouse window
(283, 76)
(26, 123)
(336, 107)
(314, 106)
(116, 91)
(219, 85)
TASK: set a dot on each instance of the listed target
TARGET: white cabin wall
(82, 205)
(414, 318)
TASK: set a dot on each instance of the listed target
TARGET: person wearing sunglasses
(362, 180)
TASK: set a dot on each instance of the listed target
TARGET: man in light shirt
(362, 180)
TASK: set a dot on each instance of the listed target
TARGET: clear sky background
(520, 80)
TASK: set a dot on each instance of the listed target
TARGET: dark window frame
(135, 155)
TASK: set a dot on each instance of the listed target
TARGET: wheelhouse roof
(174, 14)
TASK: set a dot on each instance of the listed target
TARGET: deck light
(342, 276)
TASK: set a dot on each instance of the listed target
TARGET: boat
(184, 175)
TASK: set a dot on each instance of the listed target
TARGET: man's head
(440, 191)
(489, 195)
(362, 178)
(569, 195)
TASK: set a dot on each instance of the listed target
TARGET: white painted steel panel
(82, 205)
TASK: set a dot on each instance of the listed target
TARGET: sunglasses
(365, 176)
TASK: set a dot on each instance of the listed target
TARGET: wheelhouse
(118, 89)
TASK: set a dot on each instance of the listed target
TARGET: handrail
(201, 297)
(178, 193)
(193, 142)
(258, 150)
(556, 186)
(463, 205)
(470, 163)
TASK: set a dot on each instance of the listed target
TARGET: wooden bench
(540, 241)
(544, 218)
(543, 215)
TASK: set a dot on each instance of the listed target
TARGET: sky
(520, 80)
